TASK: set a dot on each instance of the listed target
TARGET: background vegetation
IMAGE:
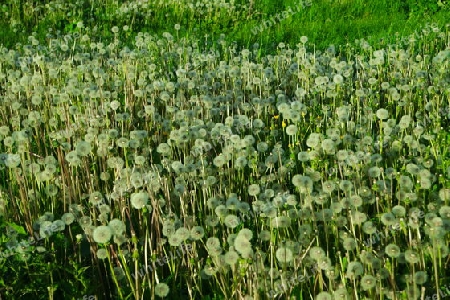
(324, 22)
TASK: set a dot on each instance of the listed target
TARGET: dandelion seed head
(359, 217)
(328, 186)
(231, 258)
(254, 189)
(291, 130)
(68, 218)
(183, 233)
(341, 293)
(399, 211)
(85, 221)
(231, 221)
(102, 234)
(175, 240)
(354, 269)
(197, 233)
(162, 290)
(264, 235)
(369, 228)
(284, 255)
(280, 222)
(374, 172)
(368, 282)
(316, 253)
(242, 245)
(388, 219)
(421, 277)
(139, 200)
(382, 114)
(392, 250)
(102, 253)
(345, 185)
(349, 244)
(303, 183)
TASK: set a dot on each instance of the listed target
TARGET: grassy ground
(324, 22)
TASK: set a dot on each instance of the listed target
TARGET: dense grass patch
(325, 22)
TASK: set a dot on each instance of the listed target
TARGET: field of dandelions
(170, 169)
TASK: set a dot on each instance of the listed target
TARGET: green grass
(324, 22)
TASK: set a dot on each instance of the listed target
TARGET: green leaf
(19, 229)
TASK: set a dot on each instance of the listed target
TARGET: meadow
(224, 149)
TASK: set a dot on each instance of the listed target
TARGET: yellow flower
(276, 117)
(283, 124)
